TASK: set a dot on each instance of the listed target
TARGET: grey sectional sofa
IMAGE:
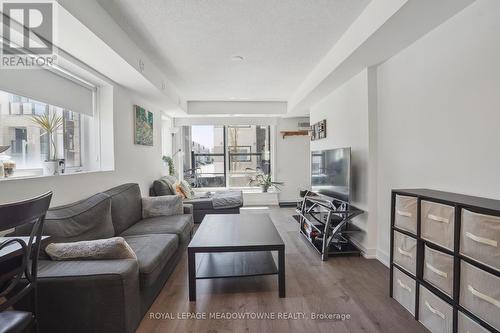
(108, 295)
(202, 204)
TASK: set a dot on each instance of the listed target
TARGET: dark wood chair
(18, 264)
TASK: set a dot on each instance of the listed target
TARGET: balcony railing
(209, 169)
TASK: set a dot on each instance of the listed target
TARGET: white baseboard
(383, 257)
(366, 253)
(372, 253)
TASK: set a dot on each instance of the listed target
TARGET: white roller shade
(47, 87)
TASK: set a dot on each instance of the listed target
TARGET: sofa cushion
(181, 225)
(79, 269)
(165, 205)
(200, 203)
(153, 253)
(126, 206)
(99, 288)
(87, 219)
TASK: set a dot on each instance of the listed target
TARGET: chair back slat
(18, 274)
(28, 211)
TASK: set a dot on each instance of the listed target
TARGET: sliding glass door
(249, 152)
(226, 156)
(208, 159)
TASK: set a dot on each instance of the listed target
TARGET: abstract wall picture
(143, 126)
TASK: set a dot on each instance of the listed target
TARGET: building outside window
(29, 144)
(207, 167)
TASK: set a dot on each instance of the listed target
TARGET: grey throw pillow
(170, 181)
(162, 206)
(110, 248)
(161, 187)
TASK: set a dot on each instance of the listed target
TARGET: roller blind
(48, 87)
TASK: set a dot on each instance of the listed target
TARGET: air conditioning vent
(304, 125)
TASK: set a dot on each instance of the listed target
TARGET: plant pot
(265, 188)
(50, 168)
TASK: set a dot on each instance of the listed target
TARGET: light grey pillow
(170, 181)
(162, 206)
(187, 190)
(109, 248)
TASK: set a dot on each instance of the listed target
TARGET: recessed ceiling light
(237, 58)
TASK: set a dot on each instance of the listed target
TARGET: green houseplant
(264, 181)
(49, 123)
(170, 162)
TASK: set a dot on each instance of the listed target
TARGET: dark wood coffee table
(232, 245)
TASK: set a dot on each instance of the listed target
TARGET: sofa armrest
(188, 208)
(88, 296)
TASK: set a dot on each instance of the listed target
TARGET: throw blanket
(227, 199)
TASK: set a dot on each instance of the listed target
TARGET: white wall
(439, 112)
(292, 160)
(347, 124)
(167, 124)
(133, 163)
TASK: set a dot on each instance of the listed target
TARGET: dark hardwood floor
(351, 286)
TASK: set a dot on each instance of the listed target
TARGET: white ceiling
(193, 41)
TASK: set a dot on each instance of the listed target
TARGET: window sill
(243, 189)
(33, 174)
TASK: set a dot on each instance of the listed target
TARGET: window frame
(227, 155)
(85, 165)
(223, 154)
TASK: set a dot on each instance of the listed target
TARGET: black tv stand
(325, 224)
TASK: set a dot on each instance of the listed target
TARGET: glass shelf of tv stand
(315, 213)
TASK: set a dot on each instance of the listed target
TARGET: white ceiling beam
(87, 32)
(236, 107)
(382, 30)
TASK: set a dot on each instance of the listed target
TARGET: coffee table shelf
(234, 264)
(234, 245)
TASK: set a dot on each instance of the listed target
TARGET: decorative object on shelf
(143, 126)
(318, 130)
(170, 162)
(284, 134)
(61, 166)
(264, 181)
(3, 158)
(49, 123)
(9, 166)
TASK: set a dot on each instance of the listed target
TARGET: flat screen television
(331, 173)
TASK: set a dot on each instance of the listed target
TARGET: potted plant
(264, 181)
(49, 123)
(170, 162)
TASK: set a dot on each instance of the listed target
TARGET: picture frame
(143, 126)
(318, 130)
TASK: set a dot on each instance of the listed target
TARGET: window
(208, 160)
(249, 152)
(29, 144)
(227, 156)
